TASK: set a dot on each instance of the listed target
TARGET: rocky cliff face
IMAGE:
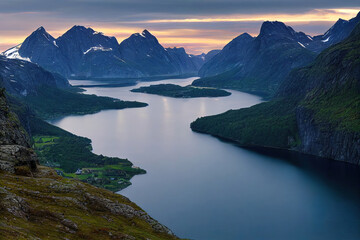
(321, 139)
(15, 150)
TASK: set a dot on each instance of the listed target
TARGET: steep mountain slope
(184, 62)
(106, 63)
(78, 40)
(259, 66)
(338, 32)
(22, 77)
(316, 110)
(211, 54)
(143, 51)
(83, 52)
(41, 48)
(232, 55)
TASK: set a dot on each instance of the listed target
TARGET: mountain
(83, 52)
(232, 55)
(143, 51)
(99, 62)
(259, 66)
(41, 48)
(210, 54)
(23, 78)
(185, 63)
(338, 32)
(78, 40)
(315, 111)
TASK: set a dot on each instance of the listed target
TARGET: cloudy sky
(197, 25)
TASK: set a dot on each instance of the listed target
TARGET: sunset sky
(197, 25)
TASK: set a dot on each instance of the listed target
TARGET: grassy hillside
(46, 206)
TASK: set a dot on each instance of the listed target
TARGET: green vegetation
(228, 80)
(47, 206)
(265, 124)
(341, 110)
(176, 91)
(51, 103)
(68, 154)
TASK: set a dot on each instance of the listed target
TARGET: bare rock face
(15, 150)
(13, 156)
(322, 140)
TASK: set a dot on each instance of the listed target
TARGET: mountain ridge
(268, 58)
(83, 52)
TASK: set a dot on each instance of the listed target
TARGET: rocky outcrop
(15, 150)
(14, 156)
(321, 139)
(46, 206)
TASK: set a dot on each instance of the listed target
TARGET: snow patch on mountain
(13, 53)
(92, 49)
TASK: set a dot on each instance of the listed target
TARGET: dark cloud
(148, 9)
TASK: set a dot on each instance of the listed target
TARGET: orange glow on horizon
(195, 41)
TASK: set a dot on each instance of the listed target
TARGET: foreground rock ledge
(46, 206)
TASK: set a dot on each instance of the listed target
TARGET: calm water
(203, 188)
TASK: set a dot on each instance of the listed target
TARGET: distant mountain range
(253, 64)
(315, 111)
(83, 52)
(259, 65)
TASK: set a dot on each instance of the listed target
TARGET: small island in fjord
(176, 91)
